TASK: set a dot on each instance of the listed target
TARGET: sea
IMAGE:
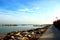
(7, 29)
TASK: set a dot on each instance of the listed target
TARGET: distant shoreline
(8, 25)
(35, 25)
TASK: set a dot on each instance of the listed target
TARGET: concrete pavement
(52, 33)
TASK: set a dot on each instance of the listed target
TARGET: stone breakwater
(33, 34)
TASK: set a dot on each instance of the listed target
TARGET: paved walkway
(52, 33)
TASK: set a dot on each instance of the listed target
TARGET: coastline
(41, 30)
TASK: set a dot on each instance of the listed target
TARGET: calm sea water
(7, 29)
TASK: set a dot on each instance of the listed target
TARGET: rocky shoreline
(33, 34)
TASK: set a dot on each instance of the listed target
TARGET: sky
(29, 11)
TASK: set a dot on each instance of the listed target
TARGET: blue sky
(29, 11)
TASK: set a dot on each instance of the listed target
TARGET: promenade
(52, 33)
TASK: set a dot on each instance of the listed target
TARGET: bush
(57, 24)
